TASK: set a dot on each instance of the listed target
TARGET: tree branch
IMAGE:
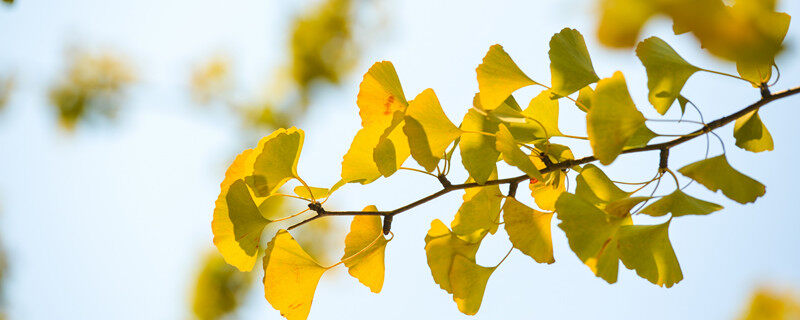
(550, 167)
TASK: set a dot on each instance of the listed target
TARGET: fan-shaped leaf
(478, 152)
(647, 250)
(544, 112)
(290, 276)
(479, 213)
(441, 247)
(498, 77)
(276, 161)
(717, 174)
(667, 72)
(366, 233)
(428, 129)
(469, 283)
(680, 204)
(570, 65)
(751, 134)
(513, 155)
(594, 186)
(613, 119)
(529, 230)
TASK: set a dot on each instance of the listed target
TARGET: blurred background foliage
(768, 303)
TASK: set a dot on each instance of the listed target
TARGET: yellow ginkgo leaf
(680, 204)
(392, 148)
(523, 127)
(570, 65)
(469, 283)
(647, 250)
(380, 95)
(622, 207)
(479, 213)
(591, 234)
(276, 161)
(545, 193)
(613, 119)
(302, 191)
(498, 77)
(428, 129)
(640, 138)
(358, 164)
(774, 24)
(529, 230)
(543, 111)
(478, 152)
(225, 231)
(508, 147)
(585, 96)
(667, 72)
(290, 276)
(441, 247)
(751, 134)
(717, 174)
(364, 249)
(594, 186)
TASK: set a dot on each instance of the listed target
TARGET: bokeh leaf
(680, 204)
(290, 276)
(667, 72)
(570, 65)
(717, 174)
(751, 134)
(613, 119)
(647, 250)
(529, 230)
(498, 77)
(364, 249)
(428, 129)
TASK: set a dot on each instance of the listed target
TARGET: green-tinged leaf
(640, 138)
(717, 174)
(591, 234)
(774, 25)
(756, 73)
(682, 101)
(277, 159)
(219, 289)
(522, 127)
(751, 134)
(680, 204)
(570, 65)
(319, 193)
(544, 112)
(623, 207)
(290, 276)
(613, 119)
(585, 97)
(478, 152)
(667, 72)
(647, 250)
(621, 21)
(364, 249)
(513, 155)
(479, 213)
(529, 230)
(594, 186)
(441, 247)
(498, 77)
(428, 129)
(469, 283)
(225, 231)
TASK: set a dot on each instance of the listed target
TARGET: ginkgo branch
(551, 167)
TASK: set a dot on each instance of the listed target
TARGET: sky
(112, 220)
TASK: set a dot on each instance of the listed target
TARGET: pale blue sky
(111, 221)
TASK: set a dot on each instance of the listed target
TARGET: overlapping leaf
(498, 77)
(478, 152)
(544, 112)
(613, 119)
(717, 174)
(529, 230)
(441, 248)
(469, 283)
(290, 277)
(364, 249)
(680, 204)
(508, 147)
(667, 72)
(570, 65)
(647, 250)
(751, 134)
(428, 129)
(594, 186)
(276, 161)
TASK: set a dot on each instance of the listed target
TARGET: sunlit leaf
(544, 112)
(647, 250)
(498, 77)
(529, 230)
(441, 247)
(380, 95)
(479, 213)
(545, 193)
(478, 152)
(680, 204)
(276, 161)
(585, 96)
(392, 148)
(522, 125)
(319, 193)
(640, 138)
(570, 65)
(622, 207)
(290, 276)
(717, 174)
(469, 283)
(513, 155)
(591, 234)
(751, 134)
(366, 233)
(594, 186)
(667, 72)
(621, 21)
(428, 129)
(613, 119)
